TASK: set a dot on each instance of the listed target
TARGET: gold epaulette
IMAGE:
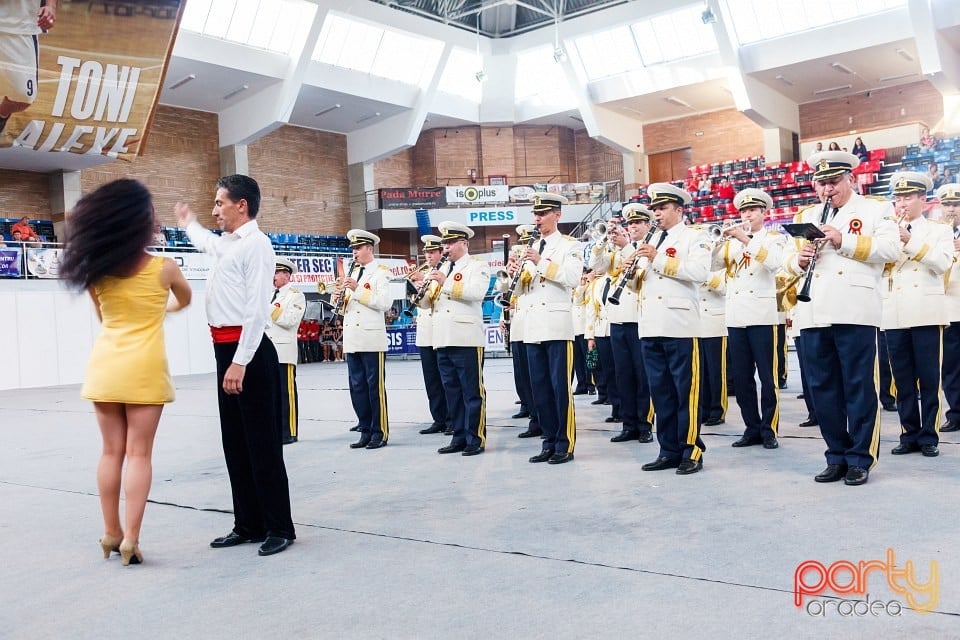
(873, 196)
(294, 290)
(384, 267)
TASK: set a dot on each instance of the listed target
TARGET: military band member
(752, 256)
(676, 262)
(796, 319)
(518, 352)
(840, 347)
(433, 385)
(555, 265)
(584, 381)
(458, 335)
(597, 328)
(713, 347)
(949, 196)
(286, 312)
(605, 262)
(636, 410)
(367, 291)
(914, 313)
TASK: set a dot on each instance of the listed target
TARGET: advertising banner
(101, 65)
(401, 340)
(43, 263)
(195, 266)
(413, 198)
(10, 262)
(478, 195)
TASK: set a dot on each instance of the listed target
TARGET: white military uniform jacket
(286, 312)
(801, 315)
(670, 288)
(846, 281)
(546, 304)
(953, 284)
(913, 292)
(458, 307)
(751, 269)
(597, 325)
(517, 312)
(629, 308)
(579, 309)
(425, 324)
(364, 327)
(713, 304)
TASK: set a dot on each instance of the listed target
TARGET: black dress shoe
(904, 448)
(543, 456)
(591, 392)
(770, 442)
(434, 428)
(452, 448)
(890, 406)
(379, 444)
(599, 401)
(689, 466)
(949, 427)
(289, 440)
(360, 444)
(833, 473)
(625, 436)
(744, 441)
(520, 414)
(856, 476)
(472, 450)
(355, 427)
(712, 422)
(660, 464)
(645, 436)
(783, 385)
(530, 433)
(273, 544)
(448, 431)
(614, 419)
(232, 539)
(560, 458)
(809, 422)
(800, 396)
(580, 392)
(930, 450)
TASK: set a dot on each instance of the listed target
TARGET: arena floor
(404, 543)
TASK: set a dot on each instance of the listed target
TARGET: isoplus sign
(846, 578)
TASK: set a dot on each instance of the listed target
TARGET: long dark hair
(107, 233)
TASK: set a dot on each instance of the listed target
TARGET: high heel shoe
(109, 543)
(130, 553)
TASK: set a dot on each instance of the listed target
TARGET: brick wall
(23, 193)
(727, 135)
(395, 171)
(596, 162)
(181, 162)
(303, 180)
(424, 160)
(920, 101)
(457, 151)
(544, 154)
(498, 152)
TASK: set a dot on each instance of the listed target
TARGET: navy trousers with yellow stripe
(804, 378)
(609, 367)
(888, 389)
(551, 364)
(368, 393)
(915, 356)
(289, 401)
(434, 387)
(633, 389)
(951, 371)
(841, 367)
(753, 351)
(673, 371)
(713, 378)
(461, 369)
(781, 347)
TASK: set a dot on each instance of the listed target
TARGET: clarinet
(505, 313)
(507, 295)
(422, 291)
(628, 274)
(804, 294)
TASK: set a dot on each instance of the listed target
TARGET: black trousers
(584, 383)
(888, 388)
(252, 449)
(713, 378)
(781, 348)
(550, 366)
(673, 369)
(841, 361)
(632, 387)
(461, 369)
(752, 351)
(801, 360)
(951, 370)
(433, 385)
(289, 401)
(521, 377)
(368, 393)
(609, 367)
(915, 356)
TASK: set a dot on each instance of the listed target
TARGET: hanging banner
(412, 198)
(478, 195)
(101, 65)
(43, 263)
(10, 262)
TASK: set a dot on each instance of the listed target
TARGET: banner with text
(10, 262)
(478, 195)
(99, 73)
(43, 263)
(412, 198)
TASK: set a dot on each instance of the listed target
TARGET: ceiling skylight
(275, 25)
(757, 20)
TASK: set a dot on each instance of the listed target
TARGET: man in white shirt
(239, 289)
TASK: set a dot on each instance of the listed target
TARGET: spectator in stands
(725, 190)
(328, 340)
(934, 173)
(302, 344)
(819, 147)
(927, 141)
(946, 178)
(338, 338)
(27, 234)
(860, 150)
(834, 147)
(159, 237)
(705, 186)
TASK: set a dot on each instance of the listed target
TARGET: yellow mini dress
(129, 360)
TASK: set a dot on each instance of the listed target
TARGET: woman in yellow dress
(127, 376)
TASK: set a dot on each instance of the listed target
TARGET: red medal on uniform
(856, 225)
(671, 252)
(457, 277)
(366, 286)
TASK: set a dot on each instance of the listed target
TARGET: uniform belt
(225, 334)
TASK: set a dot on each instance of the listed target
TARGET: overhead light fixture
(481, 76)
(900, 76)
(708, 16)
(839, 66)
(236, 91)
(182, 81)
(678, 102)
(369, 117)
(820, 92)
(327, 110)
(785, 80)
(559, 55)
(906, 55)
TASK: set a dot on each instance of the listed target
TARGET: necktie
(359, 274)
(450, 267)
(909, 228)
(956, 233)
(275, 292)
(543, 244)
(663, 236)
(606, 290)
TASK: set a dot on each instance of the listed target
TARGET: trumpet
(421, 269)
(717, 232)
(340, 302)
(422, 291)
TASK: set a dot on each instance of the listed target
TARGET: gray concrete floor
(404, 543)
